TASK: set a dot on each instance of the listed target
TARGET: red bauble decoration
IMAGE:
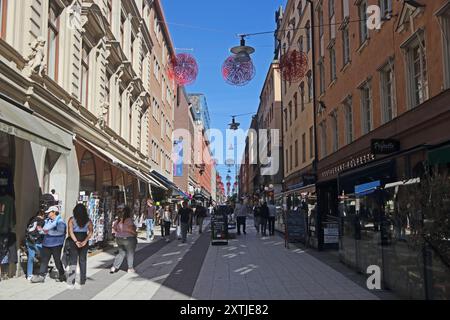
(293, 66)
(183, 69)
(238, 73)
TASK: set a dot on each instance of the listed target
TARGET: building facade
(382, 114)
(91, 76)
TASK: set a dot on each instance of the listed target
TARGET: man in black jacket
(184, 214)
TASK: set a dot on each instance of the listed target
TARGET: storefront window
(87, 173)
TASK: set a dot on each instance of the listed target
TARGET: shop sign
(331, 233)
(350, 164)
(384, 146)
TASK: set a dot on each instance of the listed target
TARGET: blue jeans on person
(33, 249)
(149, 227)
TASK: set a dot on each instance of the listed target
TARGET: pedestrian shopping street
(250, 267)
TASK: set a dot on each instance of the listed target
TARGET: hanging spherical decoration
(236, 72)
(293, 66)
(183, 69)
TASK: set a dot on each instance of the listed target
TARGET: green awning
(439, 156)
(24, 125)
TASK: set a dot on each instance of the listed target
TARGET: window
(417, 69)
(109, 8)
(445, 23)
(310, 87)
(366, 108)
(331, 19)
(323, 139)
(107, 101)
(322, 77)
(363, 30)
(53, 40)
(120, 111)
(321, 24)
(84, 75)
(290, 154)
(332, 64)
(122, 29)
(130, 122)
(300, 8)
(290, 113)
(387, 92)
(3, 7)
(132, 50)
(334, 127)
(345, 9)
(296, 105)
(285, 120)
(386, 8)
(348, 121)
(346, 44)
(287, 161)
(302, 96)
(308, 37)
(296, 153)
(301, 44)
(311, 142)
(304, 147)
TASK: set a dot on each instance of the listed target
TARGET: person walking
(150, 220)
(264, 218)
(241, 211)
(126, 237)
(201, 214)
(184, 215)
(272, 215)
(55, 234)
(166, 222)
(81, 230)
(191, 220)
(34, 239)
(257, 215)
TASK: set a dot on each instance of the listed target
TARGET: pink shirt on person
(124, 230)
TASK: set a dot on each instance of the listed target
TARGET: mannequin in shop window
(8, 252)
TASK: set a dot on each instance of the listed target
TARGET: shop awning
(367, 188)
(402, 183)
(17, 121)
(439, 156)
(120, 163)
(169, 184)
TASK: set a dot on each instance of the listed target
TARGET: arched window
(87, 173)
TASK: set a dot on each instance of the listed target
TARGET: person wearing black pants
(264, 219)
(241, 216)
(55, 233)
(272, 215)
(81, 230)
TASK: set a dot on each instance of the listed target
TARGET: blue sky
(210, 28)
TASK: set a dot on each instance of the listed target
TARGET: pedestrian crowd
(48, 235)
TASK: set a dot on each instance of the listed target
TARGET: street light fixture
(242, 51)
(234, 125)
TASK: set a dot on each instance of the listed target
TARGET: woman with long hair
(80, 231)
(126, 237)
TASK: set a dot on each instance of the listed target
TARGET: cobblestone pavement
(249, 267)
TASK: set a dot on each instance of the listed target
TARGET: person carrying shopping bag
(126, 237)
(81, 230)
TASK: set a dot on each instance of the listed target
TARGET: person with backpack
(81, 230)
(34, 239)
(126, 237)
(55, 234)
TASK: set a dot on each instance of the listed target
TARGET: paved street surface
(249, 267)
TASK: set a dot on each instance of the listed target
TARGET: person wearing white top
(241, 212)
